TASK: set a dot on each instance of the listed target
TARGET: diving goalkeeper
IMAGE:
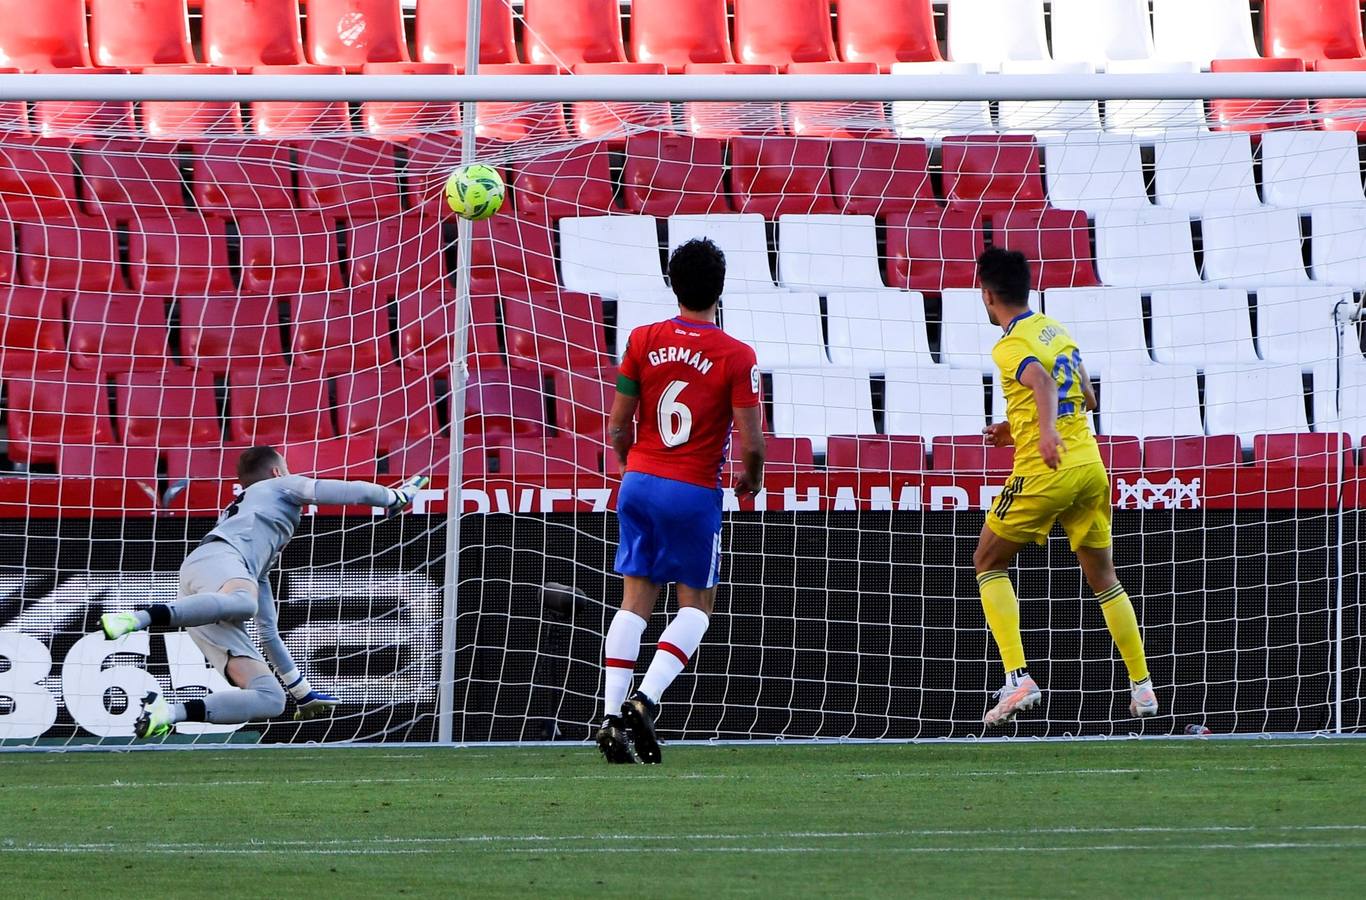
(223, 583)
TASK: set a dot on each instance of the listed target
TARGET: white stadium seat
(992, 31)
(966, 337)
(1296, 325)
(1150, 401)
(1202, 30)
(610, 255)
(1106, 323)
(828, 253)
(816, 403)
(1094, 172)
(1059, 116)
(1212, 172)
(1311, 168)
(931, 120)
(1254, 399)
(642, 308)
(878, 330)
(934, 401)
(1200, 327)
(741, 237)
(1254, 247)
(784, 329)
(1154, 118)
(1145, 247)
(1337, 236)
(1341, 410)
(1099, 31)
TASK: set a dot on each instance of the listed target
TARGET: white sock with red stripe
(676, 646)
(620, 650)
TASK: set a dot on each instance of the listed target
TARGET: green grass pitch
(1258, 818)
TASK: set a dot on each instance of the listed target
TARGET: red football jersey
(690, 375)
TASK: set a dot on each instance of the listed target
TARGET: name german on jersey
(692, 358)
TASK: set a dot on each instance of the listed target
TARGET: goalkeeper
(223, 583)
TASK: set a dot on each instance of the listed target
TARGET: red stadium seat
(929, 250)
(49, 34)
(184, 255)
(350, 458)
(674, 174)
(875, 453)
(513, 122)
(190, 119)
(31, 334)
(234, 177)
(391, 405)
(593, 120)
(781, 32)
(122, 177)
(1120, 452)
(354, 178)
(776, 176)
(399, 255)
(271, 407)
(782, 455)
(78, 119)
(217, 331)
(284, 119)
(875, 178)
(426, 322)
(727, 120)
(887, 32)
(49, 410)
(502, 401)
(1341, 114)
(340, 331)
(249, 33)
(441, 32)
(208, 463)
(583, 398)
(118, 333)
(7, 257)
(427, 457)
(1057, 242)
(836, 119)
(992, 173)
(573, 182)
(285, 253)
(970, 453)
(431, 158)
(676, 33)
(561, 330)
(569, 32)
(75, 253)
(400, 120)
(170, 408)
(1327, 29)
(1191, 452)
(36, 178)
(1306, 451)
(1258, 115)
(513, 256)
(534, 457)
(131, 34)
(351, 33)
(82, 461)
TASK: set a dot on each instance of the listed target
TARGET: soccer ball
(475, 191)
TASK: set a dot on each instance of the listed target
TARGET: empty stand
(966, 337)
(123, 177)
(339, 332)
(426, 322)
(850, 119)
(1094, 172)
(599, 120)
(1120, 452)
(167, 408)
(77, 253)
(1254, 247)
(251, 33)
(352, 178)
(440, 32)
(932, 250)
(216, 332)
(50, 410)
(635, 309)
(1310, 168)
(235, 177)
(932, 120)
(877, 330)
(285, 119)
(784, 329)
(1148, 401)
(1145, 248)
(350, 458)
(36, 178)
(1254, 399)
(1339, 233)
(1329, 29)
(391, 404)
(1341, 114)
(132, 35)
(933, 401)
(969, 453)
(1258, 115)
(514, 457)
(1201, 326)
(781, 455)
(886, 32)
(1056, 116)
(8, 263)
(402, 119)
(826, 253)
(677, 33)
(993, 173)
(351, 33)
(726, 120)
(991, 31)
(573, 182)
(875, 177)
(512, 256)
(502, 401)
(75, 119)
(1211, 173)
(875, 453)
(741, 237)
(46, 35)
(818, 403)
(560, 330)
(1323, 451)
(583, 399)
(1099, 31)
(1297, 324)
(31, 334)
(1201, 32)
(138, 463)
(1192, 451)
(285, 253)
(781, 32)
(210, 463)
(566, 33)
(1106, 323)
(1154, 118)
(398, 255)
(611, 255)
(512, 122)
(118, 333)
(1348, 414)
(191, 119)
(1057, 242)
(671, 174)
(272, 407)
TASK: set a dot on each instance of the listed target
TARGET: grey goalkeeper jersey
(263, 518)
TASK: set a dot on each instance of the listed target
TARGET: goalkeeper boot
(314, 706)
(116, 625)
(1019, 693)
(155, 720)
(615, 742)
(639, 712)
(1143, 701)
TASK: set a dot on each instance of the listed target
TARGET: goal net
(227, 275)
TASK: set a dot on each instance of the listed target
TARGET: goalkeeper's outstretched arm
(365, 493)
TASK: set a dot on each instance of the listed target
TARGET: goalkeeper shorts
(1078, 497)
(670, 531)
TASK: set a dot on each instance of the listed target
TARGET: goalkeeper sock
(676, 646)
(620, 649)
(1123, 625)
(262, 698)
(1003, 616)
(189, 711)
(204, 609)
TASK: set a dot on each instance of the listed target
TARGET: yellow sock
(1003, 615)
(1123, 625)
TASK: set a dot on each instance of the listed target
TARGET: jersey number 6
(675, 419)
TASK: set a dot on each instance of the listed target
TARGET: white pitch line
(927, 773)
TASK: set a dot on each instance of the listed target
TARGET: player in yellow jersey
(1058, 476)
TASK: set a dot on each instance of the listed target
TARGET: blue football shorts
(670, 531)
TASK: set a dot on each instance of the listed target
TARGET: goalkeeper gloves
(309, 703)
(405, 494)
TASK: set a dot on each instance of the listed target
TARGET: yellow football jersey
(1032, 336)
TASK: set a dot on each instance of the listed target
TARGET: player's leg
(215, 587)
(229, 649)
(621, 644)
(1002, 609)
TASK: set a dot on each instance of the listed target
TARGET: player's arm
(621, 421)
(309, 703)
(749, 427)
(1033, 376)
(333, 492)
(1087, 391)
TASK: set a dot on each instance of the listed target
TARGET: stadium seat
(1154, 118)
(781, 32)
(1120, 452)
(138, 463)
(992, 173)
(877, 330)
(1248, 400)
(513, 256)
(426, 322)
(533, 457)
(398, 255)
(1145, 248)
(558, 330)
(573, 182)
(989, 32)
(1341, 408)
(966, 337)
(1296, 324)
(816, 403)
(741, 237)
(782, 456)
(131, 35)
(1210, 173)
(932, 120)
(1094, 172)
(168, 408)
(1191, 452)
(610, 255)
(391, 404)
(77, 119)
(1106, 323)
(286, 253)
(1310, 168)
(1202, 326)
(933, 401)
(565, 33)
(875, 178)
(36, 178)
(1258, 115)
(784, 329)
(512, 122)
(31, 333)
(674, 174)
(1341, 114)
(247, 33)
(1254, 247)
(70, 253)
(401, 120)
(583, 398)
(502, 401)
(725, 120)
(1098, 31)
(826, 253)
(886, 33)
(969, 454)
(216, 332)
(1201, 32)
(351, 33)
(430, 160)
(776, 176)
(1057, 243)
(274, 407)
(285, 119)
(636, 309)
(112, 334)
(432, 455)
(677, 33)
(8, 263)
(48, 410)
(41, 36)
(440, 35)
(207, 463)
(840, 120)
(352, 178)
(612, 122)
(1339, 232)
(1329, 29)
(1045, 116)
(122, 178)
(1308, 451)
(187, 120)
(875, 453)
(1147, 401)
(339, 332)
(230, 178)
(348, 458)
(931, 250)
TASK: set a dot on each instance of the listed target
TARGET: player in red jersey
(690, 381)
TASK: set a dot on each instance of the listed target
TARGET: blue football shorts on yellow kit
(1079, 498)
